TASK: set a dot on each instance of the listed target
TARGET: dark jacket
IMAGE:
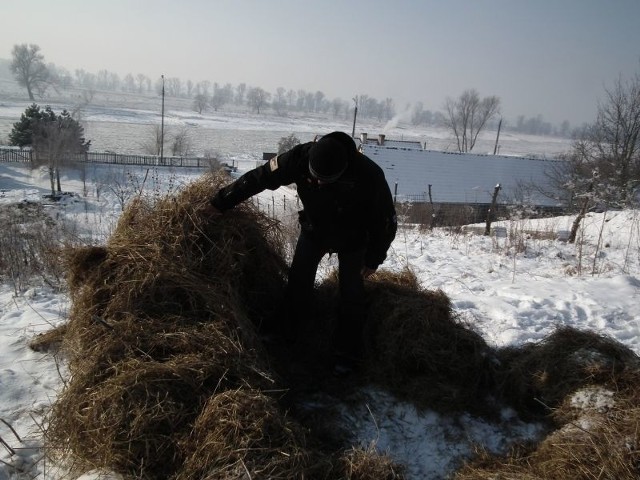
(354, 212)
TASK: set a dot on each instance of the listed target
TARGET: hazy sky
(549, 57)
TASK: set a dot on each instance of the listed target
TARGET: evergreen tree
(52, 137)
(22, 132)
(33, 121)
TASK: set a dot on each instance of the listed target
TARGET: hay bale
(418, 349)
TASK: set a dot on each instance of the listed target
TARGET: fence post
(494, 199)
(433, 212)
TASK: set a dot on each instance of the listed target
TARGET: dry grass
(595, 446)
(365, 463)
(537, 377)
(242, 431)
(415, 340)
(49, 341)
(593, 439)
(170, 378)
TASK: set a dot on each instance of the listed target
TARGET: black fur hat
(329, 157)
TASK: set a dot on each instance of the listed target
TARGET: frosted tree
(29, 69)
(468, 115)
(257, 99)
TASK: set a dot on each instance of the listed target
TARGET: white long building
(460, 178)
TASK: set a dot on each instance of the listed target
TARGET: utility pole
(162, 126)
(355, 114)
(495, 149)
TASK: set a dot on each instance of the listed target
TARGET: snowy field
(510, 291)
(123, 122)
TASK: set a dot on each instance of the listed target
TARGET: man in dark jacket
(348, 210)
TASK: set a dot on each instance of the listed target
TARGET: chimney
(381, 139)
(363, 138)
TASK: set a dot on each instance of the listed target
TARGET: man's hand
(366, 272)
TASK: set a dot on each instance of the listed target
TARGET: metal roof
(462, 178)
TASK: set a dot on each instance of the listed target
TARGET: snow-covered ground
(510, 291)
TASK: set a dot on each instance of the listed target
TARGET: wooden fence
(10, 154)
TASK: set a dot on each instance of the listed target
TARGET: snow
(594, 398)
(510, 291)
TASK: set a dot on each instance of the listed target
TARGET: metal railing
(12, 154)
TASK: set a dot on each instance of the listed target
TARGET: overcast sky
(548, 57)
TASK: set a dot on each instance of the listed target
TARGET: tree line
(601, 169)
(32, 72)
(37, 76)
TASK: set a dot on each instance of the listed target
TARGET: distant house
(460, 178)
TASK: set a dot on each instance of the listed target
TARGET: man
(348, 210)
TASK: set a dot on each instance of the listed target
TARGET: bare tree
(181, 143)
(54, 138)
(301, 95)
(173, 87)
(279, 102)
(610, 147)
(337, 105)
(123, 184)
(200, 102)
(468, 115)
(203, 87)
(318, 97)
(221, 96)
(241, 91)
(153, 143)
(287, 143)
(28, 66)
(257, 98)
(614, 140)
(129, 83)
(388, 109)
(141, 80)
(291, 98)
(309, 102)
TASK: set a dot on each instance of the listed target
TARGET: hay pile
(169, 378)
(421, 351)
(537, 377)
(588, 385)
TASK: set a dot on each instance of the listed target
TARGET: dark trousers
(299, 294)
